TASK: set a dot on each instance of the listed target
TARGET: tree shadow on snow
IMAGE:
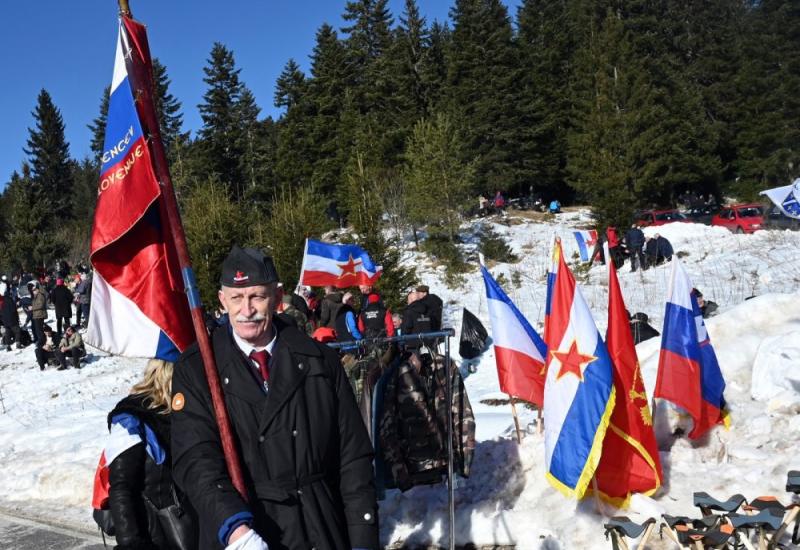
(495, 483)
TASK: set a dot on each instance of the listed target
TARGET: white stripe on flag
(507, 332)
(120, 72)
(117, 325)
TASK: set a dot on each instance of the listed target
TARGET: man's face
(250, 311)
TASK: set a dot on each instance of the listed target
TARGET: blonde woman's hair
(156, 385)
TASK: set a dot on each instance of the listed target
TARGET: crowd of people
(643, 252)
(32, 296)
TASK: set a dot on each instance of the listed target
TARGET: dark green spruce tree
(295, 157)
(98, 127)
(168, 111)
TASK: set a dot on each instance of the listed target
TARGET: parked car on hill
(775, 219)
(740, 218)
(701, 214)
(650, 218)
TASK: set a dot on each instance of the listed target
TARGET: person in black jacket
(634, 242)
(641, 329)
(61, 298)
(433, 304)
(306, 455)
(140, 471)
(10, 317)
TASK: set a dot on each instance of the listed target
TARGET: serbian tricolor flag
(138, 303)
(339, 265)
(688, 372)
(629, 462)
(579, 390)
(586, 241)
(518, 349)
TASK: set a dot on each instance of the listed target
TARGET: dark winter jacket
(306, 456)
(434, 305)
(374, 320)
(329, 308)
(413, 423)
(634, 238)
(84, 290)
(416, 319)
(658, 250)
(62, 301)
(641, 329)
(141, 472)
(10, 313)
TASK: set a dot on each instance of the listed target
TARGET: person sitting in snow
(71, 346)
(657, 249)
(640, 328)
(707, 308)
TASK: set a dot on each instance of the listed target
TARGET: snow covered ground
(53, 423)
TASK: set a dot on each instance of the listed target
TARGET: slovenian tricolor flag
(579, 389)
(339, 265)
(688, 371)
(586, 240)
(138, 303)
(518, 349)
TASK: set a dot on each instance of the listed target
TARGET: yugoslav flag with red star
(339, 265)
(579, 386)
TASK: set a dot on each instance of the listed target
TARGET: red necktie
(262, 358)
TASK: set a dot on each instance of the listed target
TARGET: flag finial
(124, 8)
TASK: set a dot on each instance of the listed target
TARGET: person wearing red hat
(62, 301)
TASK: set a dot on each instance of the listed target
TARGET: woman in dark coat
(62, 301)
(140, 473)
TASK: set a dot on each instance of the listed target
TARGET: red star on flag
(572, 361)
(349, 268)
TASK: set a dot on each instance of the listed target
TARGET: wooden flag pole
(175, 225)
(516, 418)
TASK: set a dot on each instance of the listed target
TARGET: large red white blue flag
(519, 351)
(579, 391)
(688, 371)
(138, 303)
(339, 265)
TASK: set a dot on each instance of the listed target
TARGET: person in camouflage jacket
(413, 423)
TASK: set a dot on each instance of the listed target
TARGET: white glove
(250, 541)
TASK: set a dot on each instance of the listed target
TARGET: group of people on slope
(306, 454)
(643, 252)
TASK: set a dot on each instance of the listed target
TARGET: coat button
(294, 433)
(300, 366)
(367, 516)
(261, 438)
(226, 381)
(299, 492)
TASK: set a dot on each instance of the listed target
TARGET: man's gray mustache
(254, 319)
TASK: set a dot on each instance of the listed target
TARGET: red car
(740, 218)
(650, 218)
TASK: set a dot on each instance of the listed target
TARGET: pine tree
(168, 111)
(221, 134)
(98, 127)
(480, 82)
(434, 68)
(48, 153)
(411, 45)
(290, 86)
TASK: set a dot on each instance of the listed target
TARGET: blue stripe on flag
(341, 253)
(680, 332)
(494, 292)
(165, 349)
(583, 419)
(584, 252)
(134, 426)
(713, 384)
(123, 127)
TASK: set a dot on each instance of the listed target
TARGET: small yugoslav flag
(338, 265)
(518, 349)
(586, 240)
(579, 389)
(139, 307)
(688, 371)
(787, 198)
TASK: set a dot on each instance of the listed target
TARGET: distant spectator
(347, 324)
(329, 307)
(38, 312)
(614, 249)
(10, 317)
(298, 317)
(45, 350)
(375, 320)
(62, 301)
(83, 294)
(641, 330)
(483, 205)
(658, 250)
(555, 207)
(634, 242)
(71, 347)
(433, 304)
(707, 308)
(499, 201)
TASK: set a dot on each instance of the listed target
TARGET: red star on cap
(349, 268)
(572, 361)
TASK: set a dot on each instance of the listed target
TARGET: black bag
(104, 521)
(24, 338)
(176, 522)
(473, 336)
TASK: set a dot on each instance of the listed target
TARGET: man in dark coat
(658, 250)
(10, 317)
(433, 304)
(306, 455)
(641, 329)
(634, 242)
(62, 301)
(329, 307)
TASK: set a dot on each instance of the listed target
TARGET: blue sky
(67, 47)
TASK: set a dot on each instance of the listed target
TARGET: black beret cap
(247, 267)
